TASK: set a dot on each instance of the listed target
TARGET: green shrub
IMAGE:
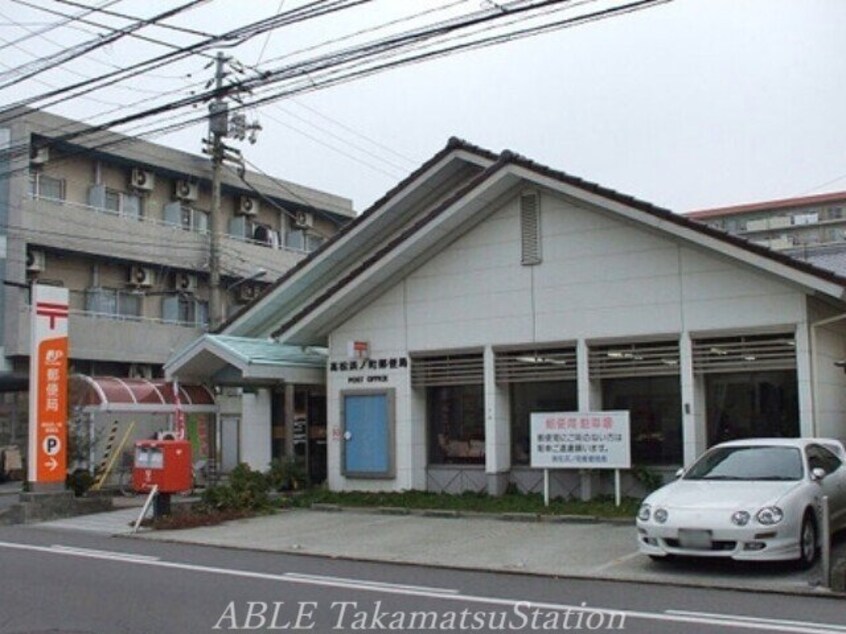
(247, 490)
(649, 478)
(79, 481)
(287, 475)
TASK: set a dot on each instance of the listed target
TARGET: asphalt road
(64, 581)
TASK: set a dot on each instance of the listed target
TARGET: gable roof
(394, 251)
(246, 359)
(441, 166)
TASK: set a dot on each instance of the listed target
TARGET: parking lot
(567, 549)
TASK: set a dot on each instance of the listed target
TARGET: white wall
(255, 429)
(830, 380)
(601, 278)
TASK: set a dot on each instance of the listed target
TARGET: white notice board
(581, 440)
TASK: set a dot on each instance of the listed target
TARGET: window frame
(36, 180)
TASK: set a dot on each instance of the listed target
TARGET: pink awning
(106, 392)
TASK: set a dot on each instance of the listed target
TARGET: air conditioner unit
(247, 293)
(141, 276)
(248, 206)
(142, 179)
(304, 220)
(36, 261)
(185, 282)
(38, 155)
(186, 190)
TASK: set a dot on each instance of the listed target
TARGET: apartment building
(124, 225)
(811, 228)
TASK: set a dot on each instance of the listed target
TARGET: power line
(86, 47)
(53, 26)
(241, 34)
(397, 169)
(333, 76)
(75, 72)
(170, 27)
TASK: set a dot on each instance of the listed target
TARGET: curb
(535, 518)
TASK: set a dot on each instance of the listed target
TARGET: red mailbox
(163, 462)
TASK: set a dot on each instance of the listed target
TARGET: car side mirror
(817, 474)
(680, 473)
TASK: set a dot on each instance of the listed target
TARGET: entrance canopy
(228, 360)
(136, 395)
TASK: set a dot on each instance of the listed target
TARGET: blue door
(367, 435)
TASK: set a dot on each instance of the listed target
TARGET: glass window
(109, 301)
(191, 311)
(295, 239)
(752, 404)
(129, 304)
(821, 458)
(201, 221)
(654, 405)
(748, 463)
(202, 313)
(194, 219)
(835, 213)
(545, 396)
(42, 186)
(456, 424)
(313, 242)
(187, 310)
(131, 205)
(112, 200)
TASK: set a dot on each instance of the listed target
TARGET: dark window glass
(752, 405)
(748, 463)
(821, 458)
(526, 398)
(456, 424)
(654, 405)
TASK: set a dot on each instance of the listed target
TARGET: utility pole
(218, 128)
(222, 125)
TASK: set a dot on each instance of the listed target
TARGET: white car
(756, 499)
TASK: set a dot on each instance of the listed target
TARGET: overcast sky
(688, 105)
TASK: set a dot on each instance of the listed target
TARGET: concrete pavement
(565, 549)
(577, 549)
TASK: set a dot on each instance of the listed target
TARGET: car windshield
(748, 463)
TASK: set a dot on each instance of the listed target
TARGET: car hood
(702, 494)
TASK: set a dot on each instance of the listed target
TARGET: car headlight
(740, 518)
(660, 515)
(769, 515)
(644, 512)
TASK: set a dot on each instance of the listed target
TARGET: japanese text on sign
(580, 440)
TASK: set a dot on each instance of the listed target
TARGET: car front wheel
(808, 542)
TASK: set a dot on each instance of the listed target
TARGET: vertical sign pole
(48, 388)
(617, 487)
(546, 487)
(825, 542)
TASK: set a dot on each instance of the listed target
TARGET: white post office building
(486, 287)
